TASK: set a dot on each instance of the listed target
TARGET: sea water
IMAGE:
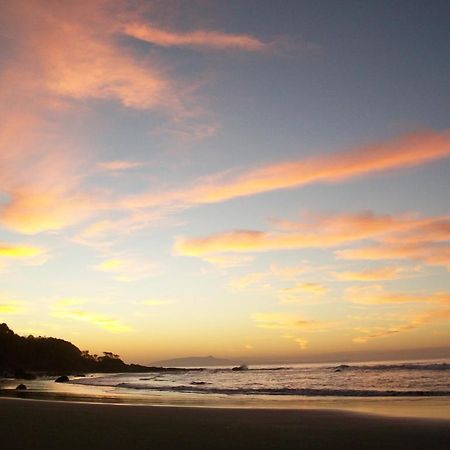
(402, 388)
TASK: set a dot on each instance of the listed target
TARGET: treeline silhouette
(21, 355)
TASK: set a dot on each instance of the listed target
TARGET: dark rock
(62, 379)
(21, 387)
(239, 368)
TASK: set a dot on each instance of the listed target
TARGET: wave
(287, 391)
(402, 366)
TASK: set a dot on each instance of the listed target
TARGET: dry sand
(36, 425)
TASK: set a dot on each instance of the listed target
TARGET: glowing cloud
(406, 151)
(302, 343)
(8, 308)
(317, 232)
(213, 40)
(427, 253)
(119, 165)
(128, 270)
(416, 322)
(376, 294)
(248, 281)
(374, 274)
(70, 309)
(278, 320)
(301, 291)
(19, 251)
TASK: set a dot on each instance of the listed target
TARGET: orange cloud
(213, 40)
(119, 165)
(320, 232)
(427, 253)
(298, 292)
(416, 322)
(376, 294)
(278, 320)
(374, 274)
(410, 150)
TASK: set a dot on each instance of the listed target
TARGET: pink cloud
(208, 39)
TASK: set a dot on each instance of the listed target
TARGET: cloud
(248, 281)
(10, 308)
(375, 274)
(128, 270)
(63, 56)
(376, 294)
(119, 165)
(418, 321)
(428, 253)
(314, 232)
(279, 320)
(199, 39)
(302, 343)
(19, 251)
(227, 261)
(287, 272)
(301, 291)
(409, 150)
(70, 309)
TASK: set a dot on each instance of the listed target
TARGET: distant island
(25, 357)
(195, 361)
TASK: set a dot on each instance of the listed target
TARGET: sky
(245, 179)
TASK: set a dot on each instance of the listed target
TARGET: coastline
(42, 424)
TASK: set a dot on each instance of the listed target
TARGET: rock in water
(21, 387)
(239, 368)
(62, 379)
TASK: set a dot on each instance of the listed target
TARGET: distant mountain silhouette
(21, 355)
(195, 361)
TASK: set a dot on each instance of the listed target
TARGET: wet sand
(36, 424)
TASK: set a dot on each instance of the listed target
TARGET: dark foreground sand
(35, 425)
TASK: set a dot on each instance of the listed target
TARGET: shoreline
(41, 424)
(421, 407)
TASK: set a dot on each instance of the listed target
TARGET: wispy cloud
(301, 292)
(127, 269)
(119, 165)
(420, 320)
(280, 320)
(73, 309)
(433, 254)
(251, 280)
(19, 251)
(377, 274)
(406, 151)
(199, 39)
(10, 308)
(376, 294)
(314, 232)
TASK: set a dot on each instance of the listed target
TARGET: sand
(36, 424)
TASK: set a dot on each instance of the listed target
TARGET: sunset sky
(249, 179)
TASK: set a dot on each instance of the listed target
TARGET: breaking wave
(288, 391)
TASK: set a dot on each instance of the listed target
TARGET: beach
(39, 424)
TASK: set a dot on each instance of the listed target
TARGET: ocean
(413, 388)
